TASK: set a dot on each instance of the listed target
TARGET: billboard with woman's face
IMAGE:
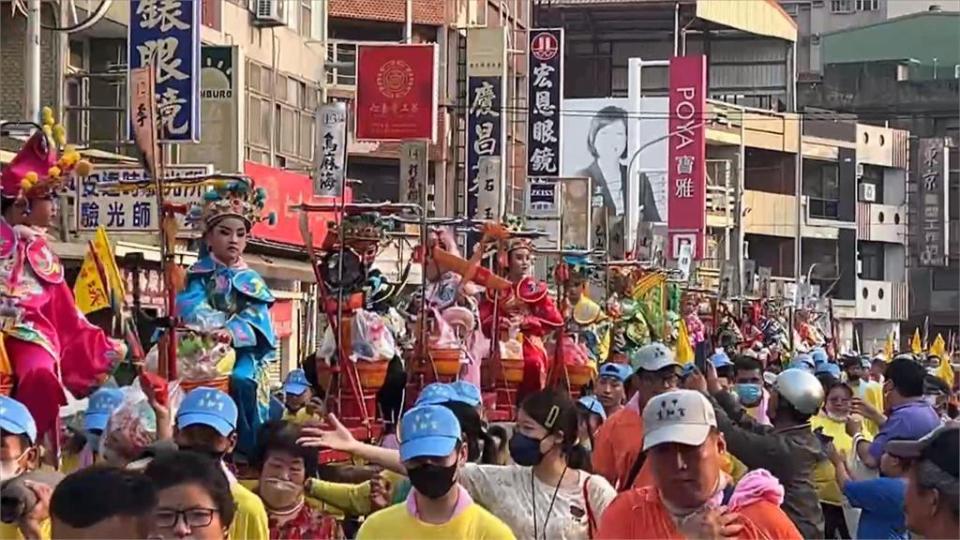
(597, 144)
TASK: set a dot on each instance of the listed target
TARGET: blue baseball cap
(428, 431)
(819, 356)
(16, 419)
(100, 406)
(720, 359)
(803, 361)
(208, 407)
(592, 404)
(466, 392)
(827, 368)
(296, 382)
(435, 394)
(620, 372)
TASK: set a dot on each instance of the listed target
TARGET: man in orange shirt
(617, 447)
(690, 496)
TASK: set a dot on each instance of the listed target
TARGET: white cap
(653, 357)
(680, 416)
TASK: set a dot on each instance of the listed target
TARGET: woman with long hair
(542, 494)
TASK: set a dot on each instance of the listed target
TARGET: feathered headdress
(514, 224)
(231, 198)
(37, 171)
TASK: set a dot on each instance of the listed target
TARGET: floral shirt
(306, 524)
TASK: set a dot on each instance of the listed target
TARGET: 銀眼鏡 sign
(167, 33)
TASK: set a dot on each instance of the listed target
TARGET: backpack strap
(591, 518)
(634, 471)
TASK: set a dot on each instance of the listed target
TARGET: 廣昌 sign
(545, 91)
(486, 121)
(330, 155)
(133, 211)
(932, 174)
(167, 32)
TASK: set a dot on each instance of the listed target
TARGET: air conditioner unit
(267, 13)
(868, 193)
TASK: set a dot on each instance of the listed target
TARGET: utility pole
(408, 23)
(31, 62)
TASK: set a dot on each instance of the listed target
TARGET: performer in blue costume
(230, 301)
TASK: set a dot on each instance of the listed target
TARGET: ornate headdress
(354, 229)
(514, 224)
(231, 198)
(37, 171)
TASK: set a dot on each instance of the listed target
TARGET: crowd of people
(824, 448)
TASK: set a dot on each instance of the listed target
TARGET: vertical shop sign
(330, 154)
(545, 93)
(168, 33)
(932, 173)
(486, 73)
(686, 218)
(413, 171)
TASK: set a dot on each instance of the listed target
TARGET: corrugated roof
(919, 36)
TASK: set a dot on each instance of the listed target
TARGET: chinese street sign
(545, 94)
(932, 236)
(490, 182)
(330, 155)
(167, 32)
(542, 199)
(133, 211)
(486, 119)
(413, 171)
(221, 89)
(686, 178)
(396, 92)
(144, 113)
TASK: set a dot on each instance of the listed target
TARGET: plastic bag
(199, 358)
(443, 335)
(131, 428)
(372, 341)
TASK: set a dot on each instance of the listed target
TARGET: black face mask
(432, 481)
(525, 450)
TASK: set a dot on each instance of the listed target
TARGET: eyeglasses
(193, 517)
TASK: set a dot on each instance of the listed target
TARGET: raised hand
(338, 438)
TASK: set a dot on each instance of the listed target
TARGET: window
(306, 18)
(871, 260)
(868, 5)
(821, 186)
(945, 279)
(841, 6)
(873, 174)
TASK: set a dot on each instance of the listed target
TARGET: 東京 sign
(932, 174)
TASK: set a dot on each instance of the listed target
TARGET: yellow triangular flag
(944, 369)
(888, 348)
(89, 289)
(915, 346)
(685, 353)
(109, 261)
(939, 347)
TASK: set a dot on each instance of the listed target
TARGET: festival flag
(684, 352)
(915, 346)
(90, 290)
(888, 348)
(944, 369)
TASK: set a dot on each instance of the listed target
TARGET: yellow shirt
(250, 520)
(824, 474)
(10, 531)
(396, 523)
(349, 499)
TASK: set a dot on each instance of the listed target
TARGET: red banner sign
(396, 92)
(281, 314)
(686, 167)
(285, 189)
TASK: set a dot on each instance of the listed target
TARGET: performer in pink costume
(52, 343)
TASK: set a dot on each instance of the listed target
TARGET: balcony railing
(341, 68)
(96, 110)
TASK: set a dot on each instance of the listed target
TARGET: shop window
(822, 187)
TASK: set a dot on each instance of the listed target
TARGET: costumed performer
(52, 346)
(526, 307)
(584, 317)
(228, 299)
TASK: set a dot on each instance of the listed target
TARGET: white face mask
(11, 469)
